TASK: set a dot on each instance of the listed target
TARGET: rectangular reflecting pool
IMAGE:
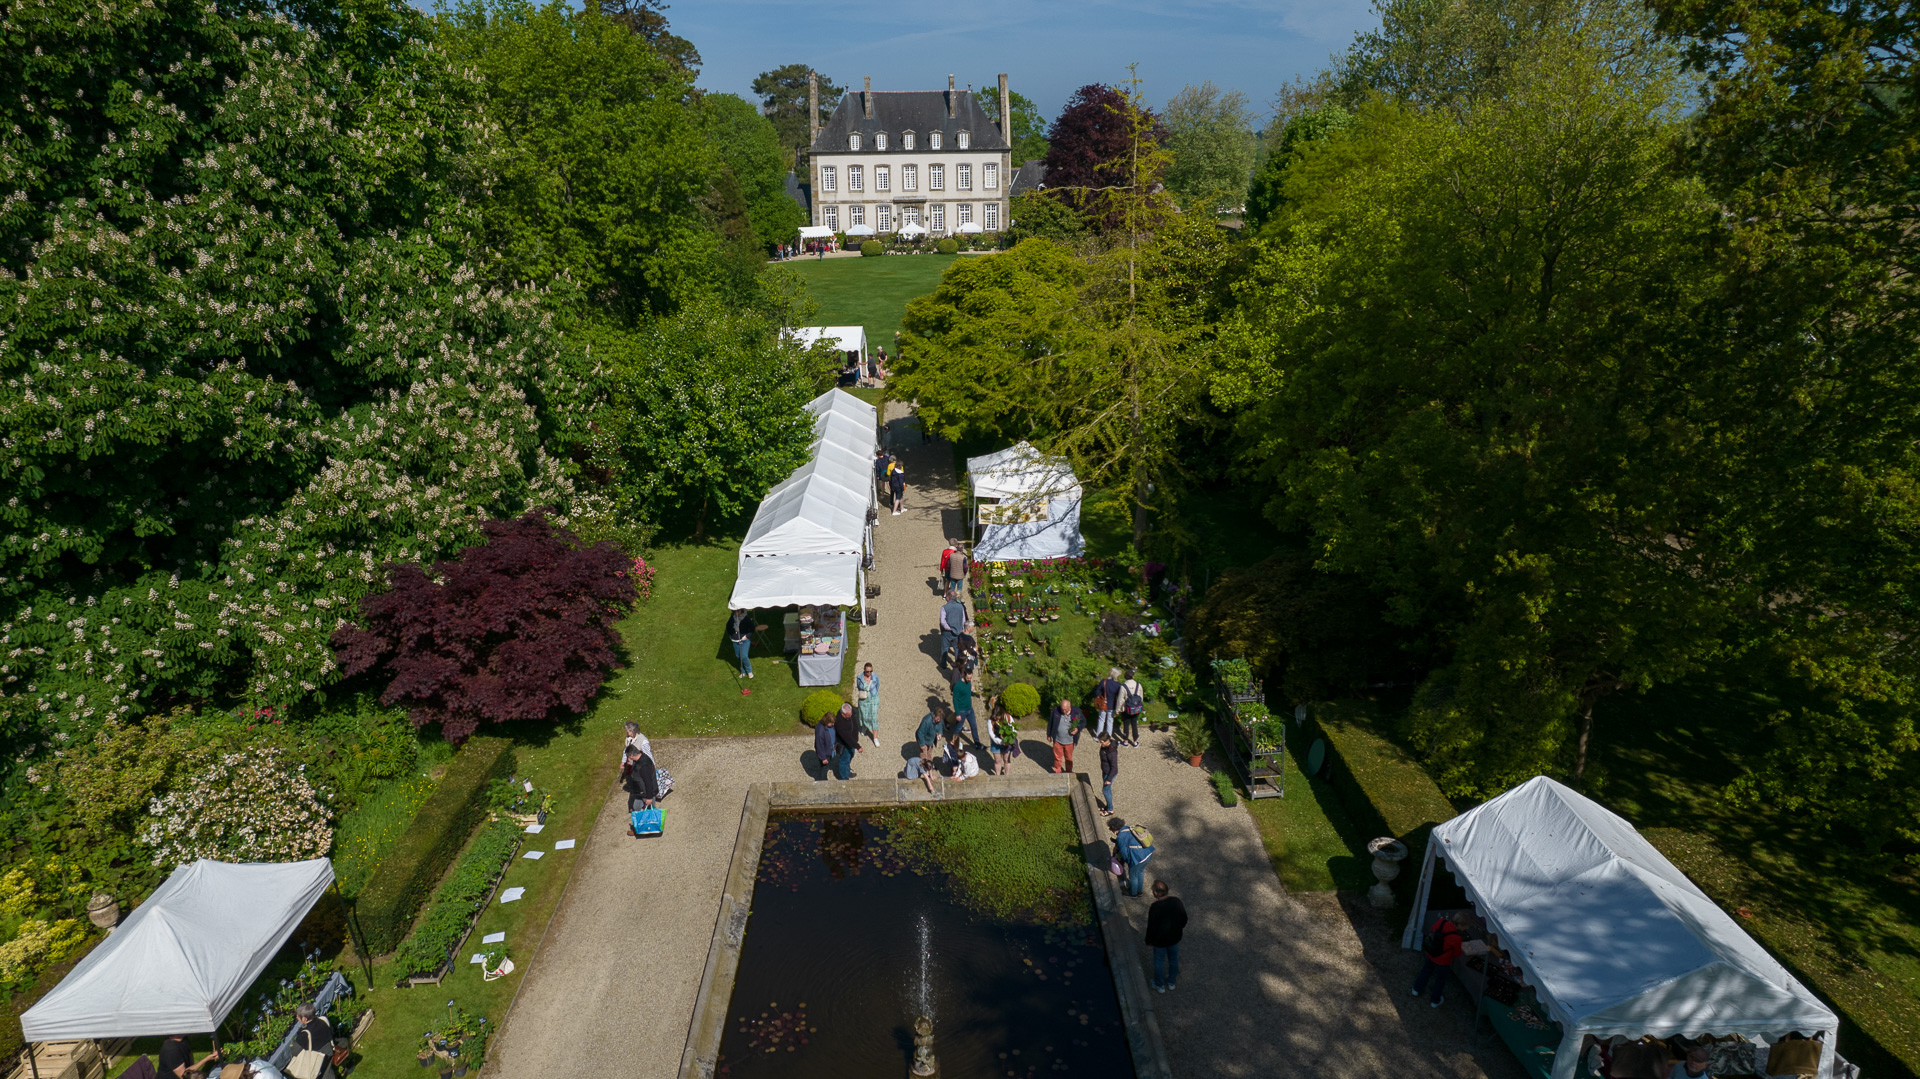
(976, 914)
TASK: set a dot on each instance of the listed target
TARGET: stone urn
(1387, 853)
(103, 911)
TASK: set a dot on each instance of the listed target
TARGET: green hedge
(1382, 787)
(393, 895)
(446, 921)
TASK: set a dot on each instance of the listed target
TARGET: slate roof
(918, 111)
(1031, 176)
(801, 193)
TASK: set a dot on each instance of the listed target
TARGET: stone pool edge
(709, 1023)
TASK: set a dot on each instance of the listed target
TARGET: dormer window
(880, 140)
(906, 140)
(853, 141)
(933, 140)
(962, 140)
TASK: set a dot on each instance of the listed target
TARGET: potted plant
(546, 804)
(1190, 737)
(496, 964)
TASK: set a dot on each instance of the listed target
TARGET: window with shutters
(936, 177)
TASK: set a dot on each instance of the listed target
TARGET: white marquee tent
(815, 232)
(1613, 938)
(807, 539)
(912, 229)
(182, 959)
(844, 338)
(1026, 504)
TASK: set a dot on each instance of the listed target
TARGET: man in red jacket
(1439, 948)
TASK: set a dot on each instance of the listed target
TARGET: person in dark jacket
(643, 787)
(1437, 960)
(1166, 923)
(824, 744)
(1109, 768)
(881, 465)
(315, 1033)
(846, 731)
(1106, 699)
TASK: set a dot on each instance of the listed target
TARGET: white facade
(893, 158)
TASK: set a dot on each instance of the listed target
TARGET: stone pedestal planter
(1387, 853)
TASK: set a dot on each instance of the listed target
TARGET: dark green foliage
(1383, 788)
(1224, 790)
(1033, 214)
(750, 149)
(1264, 196)
(388, 903)
(1017, 860)
(820, 704)
(783, 100)
(947, 245)
(1312, 634)
(458, 899)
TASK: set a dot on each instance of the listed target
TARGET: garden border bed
(702, 1052)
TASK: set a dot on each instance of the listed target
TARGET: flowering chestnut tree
(520, 627)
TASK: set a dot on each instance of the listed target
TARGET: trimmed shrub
(392, 897)
(1021, 700)
(446, 921)
(1382, 786)
(872, 248)
(947, 246)
(818, 705)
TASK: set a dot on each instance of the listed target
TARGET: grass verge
(1310, 838)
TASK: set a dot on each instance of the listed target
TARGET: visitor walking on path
(963, 700)
(953, 566)
(1166, 922)
(635, 738)
(1106, 701)
(1109, 770)
(1063, 730)
(882, 465)
(1133, 700)
(846, 731)
(824, 744)
(1438, 949)
(897, 484)
(740, 630)
(641, 784)
(953, 619)
(1133, 845)
(866, 690)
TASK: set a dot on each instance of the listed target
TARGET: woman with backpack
(1132, 847)
(1133, 700)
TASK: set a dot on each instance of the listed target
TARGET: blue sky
(1047, 47)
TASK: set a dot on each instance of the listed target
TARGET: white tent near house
(1026, 504)
(182, 959)
(860, 230)
(1614, 939)
(808, 537)
(844, 338)
(815, 232)
(912, 229)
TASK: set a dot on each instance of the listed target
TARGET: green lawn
(870, 292)
(1314, 845)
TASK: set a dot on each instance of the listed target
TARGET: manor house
(921, 157)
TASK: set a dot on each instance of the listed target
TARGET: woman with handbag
(866, 694)
(642, 785)
(1005, 736)
(312, 1044)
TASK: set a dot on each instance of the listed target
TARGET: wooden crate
(62, 1060)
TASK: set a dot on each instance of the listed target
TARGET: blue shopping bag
(649, 821)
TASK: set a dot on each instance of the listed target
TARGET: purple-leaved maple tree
(518, 627)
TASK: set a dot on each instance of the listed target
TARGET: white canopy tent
(182, 959)
(860, 230)
(844, 338)
(1613, 938)
(966, 227)
(807, 539)
(912, 229)
(815, 232)
(1026, 504)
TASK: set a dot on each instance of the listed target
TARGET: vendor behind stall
(176, 1060)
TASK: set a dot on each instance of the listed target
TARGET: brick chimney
(949, 97)
(1006, 114)
(866, 98)
(813, 106)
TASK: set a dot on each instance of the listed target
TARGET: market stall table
(806, 630)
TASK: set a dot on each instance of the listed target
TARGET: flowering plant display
(459, 899)
(242, 806)
(265, 1020)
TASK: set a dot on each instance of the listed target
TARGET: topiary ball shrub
(872, 248)
(1021, 700)
(819, 704)
(947, 246)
